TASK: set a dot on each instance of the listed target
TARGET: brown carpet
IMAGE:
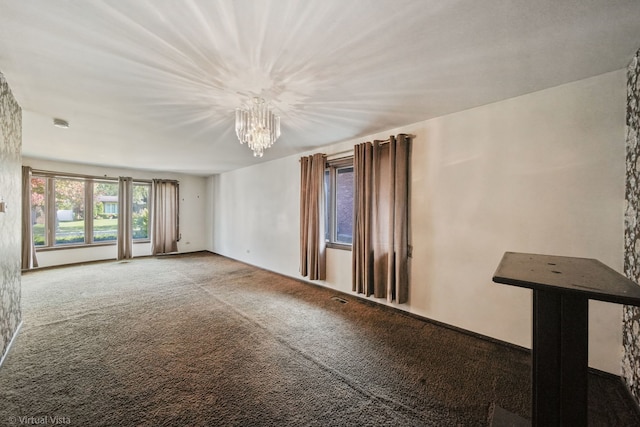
(202, 340)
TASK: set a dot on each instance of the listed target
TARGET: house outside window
(109, 204)
(105, 211)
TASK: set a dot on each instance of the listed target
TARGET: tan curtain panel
(381, 219)
(125, 217)
(312, 239)
(29, 259)
(164, 216)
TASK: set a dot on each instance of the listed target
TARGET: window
(38, 210)
(141, 211)
(105, 211)
(69, 211)
(338, 187)
(77, 211)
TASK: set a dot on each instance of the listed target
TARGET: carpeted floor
(202, 340)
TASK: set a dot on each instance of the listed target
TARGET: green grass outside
(73, 231)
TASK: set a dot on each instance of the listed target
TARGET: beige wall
(540, 173)
(193, 196)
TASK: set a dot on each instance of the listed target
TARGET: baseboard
(100, 261)
(445, 325)
(15, 334)
(71, 264)
(177, 254)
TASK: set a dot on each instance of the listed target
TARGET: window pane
(141, 211)
(38, 210)
(105, 211)
(344, 205)
(69, 197)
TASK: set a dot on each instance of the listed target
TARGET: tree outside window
(83, 211)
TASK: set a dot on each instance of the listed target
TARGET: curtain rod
(386, 141)
(349, 153)
(69, 174)
(341, 154)
(379, 141)
(79, 175)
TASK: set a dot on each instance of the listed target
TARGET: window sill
(340, 246)
(84, 246)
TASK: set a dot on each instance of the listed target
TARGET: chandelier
(257, 126)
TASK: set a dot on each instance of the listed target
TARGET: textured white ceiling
(154, 84)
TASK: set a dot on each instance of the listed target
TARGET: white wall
(256, 215)
(193, 199)
(541, 173)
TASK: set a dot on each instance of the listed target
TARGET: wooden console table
(562, 288)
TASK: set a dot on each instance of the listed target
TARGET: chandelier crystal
(257, 126)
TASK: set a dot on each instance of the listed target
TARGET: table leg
(560, 359)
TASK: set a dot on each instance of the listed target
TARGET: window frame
(332, 167)
(148, 238)
(50, 210)
(91, 193)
